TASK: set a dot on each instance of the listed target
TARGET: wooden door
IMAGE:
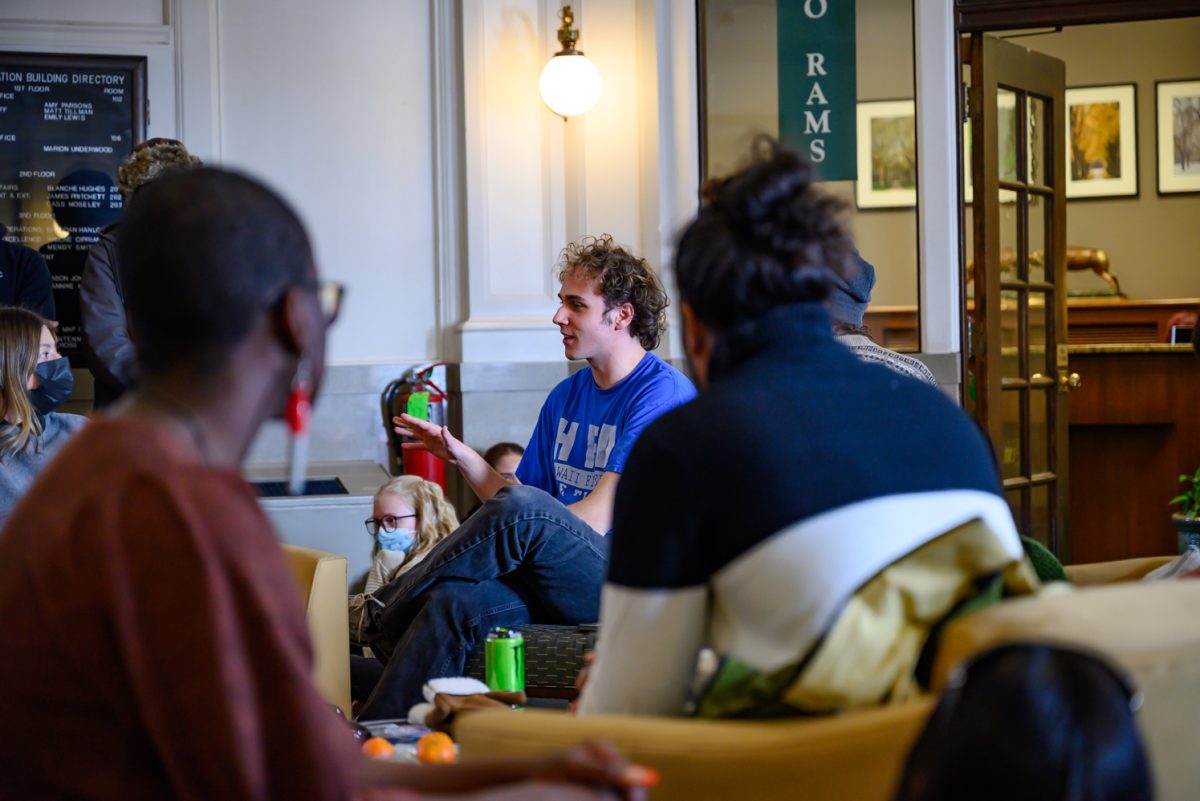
(1017, 360)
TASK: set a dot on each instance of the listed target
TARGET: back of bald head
(203, 254)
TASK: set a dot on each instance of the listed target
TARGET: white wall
(85, 11)
(330, 103)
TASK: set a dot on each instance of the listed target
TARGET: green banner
(817, 86)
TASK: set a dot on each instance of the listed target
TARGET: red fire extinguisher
(416, 394)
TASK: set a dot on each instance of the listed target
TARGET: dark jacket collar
(783, 331)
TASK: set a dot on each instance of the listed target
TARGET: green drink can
(504, 658)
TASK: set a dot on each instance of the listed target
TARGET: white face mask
(399, 540)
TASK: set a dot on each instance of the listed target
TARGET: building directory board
(66, 124)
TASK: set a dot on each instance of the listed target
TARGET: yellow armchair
(321, 578)
(856, 756)
(1113, 572)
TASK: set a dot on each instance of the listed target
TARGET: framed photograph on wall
(887, 154)
(1101, 129)
(1177, 128)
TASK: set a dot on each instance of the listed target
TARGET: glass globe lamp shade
(570, 84)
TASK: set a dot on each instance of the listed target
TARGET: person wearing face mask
(35, 382)
(411, 515)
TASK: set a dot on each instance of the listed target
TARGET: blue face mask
(399, 540)
(54, 387)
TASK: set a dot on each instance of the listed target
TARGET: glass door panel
(1019, 264)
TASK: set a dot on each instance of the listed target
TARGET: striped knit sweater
(810, 517)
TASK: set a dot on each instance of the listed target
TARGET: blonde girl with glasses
(410, 516)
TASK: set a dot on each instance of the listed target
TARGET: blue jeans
(522, 558)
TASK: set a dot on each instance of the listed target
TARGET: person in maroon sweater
(153, 642)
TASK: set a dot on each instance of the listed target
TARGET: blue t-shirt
(584, 432)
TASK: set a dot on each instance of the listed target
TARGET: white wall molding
(514, 192)
(82, 12)
(671, 143)
(39, 33)
(523, 339)
(448, 188)
(197, 75)
(938, 184)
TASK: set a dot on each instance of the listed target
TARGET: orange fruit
(436, 748)
(378, 748)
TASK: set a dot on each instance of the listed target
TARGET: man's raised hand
(436, 439)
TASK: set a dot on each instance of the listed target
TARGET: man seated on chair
(848, 300)
(854, 508)
(537, 551)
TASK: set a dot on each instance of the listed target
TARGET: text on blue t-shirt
(584, 432)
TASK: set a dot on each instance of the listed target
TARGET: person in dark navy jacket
(24, 278)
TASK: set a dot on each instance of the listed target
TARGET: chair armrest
(321, 577)
(858, 755)
(1112, 572)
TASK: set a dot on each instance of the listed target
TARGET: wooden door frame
(977, 16)
(1026, 72)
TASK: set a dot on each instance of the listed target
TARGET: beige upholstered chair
(321, 577)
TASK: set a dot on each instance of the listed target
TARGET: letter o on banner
(815, 10)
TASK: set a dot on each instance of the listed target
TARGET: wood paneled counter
(1134, 427)
(1089, 321)
(1134, 421)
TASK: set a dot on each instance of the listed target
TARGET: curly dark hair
(622, 278)
(765, 238)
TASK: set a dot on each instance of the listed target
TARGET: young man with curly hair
(536, 551)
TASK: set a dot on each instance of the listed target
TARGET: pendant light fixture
(570, 82)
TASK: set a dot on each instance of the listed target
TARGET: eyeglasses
(388, 523)
(329, 295)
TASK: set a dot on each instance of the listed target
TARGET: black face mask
(56, 384)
